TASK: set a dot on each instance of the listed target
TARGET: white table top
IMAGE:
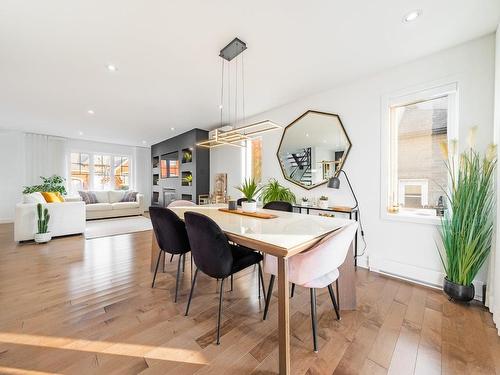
(285, 235)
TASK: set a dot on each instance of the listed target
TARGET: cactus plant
(43, 218)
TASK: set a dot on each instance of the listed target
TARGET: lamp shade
(334, 182)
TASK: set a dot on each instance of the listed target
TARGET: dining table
(283, 235)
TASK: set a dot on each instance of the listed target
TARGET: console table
(352, 212)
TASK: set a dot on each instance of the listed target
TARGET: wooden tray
(258, 215)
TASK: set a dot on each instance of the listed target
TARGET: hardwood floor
(86, 307)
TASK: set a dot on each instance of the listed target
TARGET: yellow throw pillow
(51, 197)
(59, 195)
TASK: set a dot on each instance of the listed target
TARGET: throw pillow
(35, 197)
(116, 195)
(88, 197)
(51, 197)
(60, 196)
(130, 196)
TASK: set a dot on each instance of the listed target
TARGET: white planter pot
(249, 206)
(322, 204)
(43, 237)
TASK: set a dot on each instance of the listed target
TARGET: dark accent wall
(199, 166)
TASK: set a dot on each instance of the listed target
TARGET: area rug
(113, 227)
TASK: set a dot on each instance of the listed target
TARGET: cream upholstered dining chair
(181, 203)
(315, 268)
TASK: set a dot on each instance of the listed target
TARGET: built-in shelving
(181, 170)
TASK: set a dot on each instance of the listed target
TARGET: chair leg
(177, 278)
(269, 294)
(338, 295)
(156, 269)
(220, 310)
(191, 259)
(191, 292)
(261, 281)
(293, 290)
(183, 256)
(313, 318)
(171, 257)
(231, 283)
(334, 301)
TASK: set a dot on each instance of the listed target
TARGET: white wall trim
(418, 275)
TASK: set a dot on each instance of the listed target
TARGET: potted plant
(467, 225)
(250, 190)
(305, 201)
(273, 191)
(53, 183)
(43, 235)
(188, 179)
(323, 201)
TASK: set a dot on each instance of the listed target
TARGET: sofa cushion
(131, 196)
(125, 205)
(116, 195)
(99, 207)
(102, 196)
(88, 197)
(35, 197)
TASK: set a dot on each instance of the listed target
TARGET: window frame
(92, 155)
(389, 143)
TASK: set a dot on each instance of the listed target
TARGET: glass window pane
(102, 172)
(79, 179)
(121, 173)
(257, 159)
(421, 173)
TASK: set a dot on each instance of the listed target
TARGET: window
(419, 123)
(121, 172)
(102, 172)
(80, 174)
(99, 172)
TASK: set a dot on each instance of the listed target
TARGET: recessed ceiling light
(90, 112)
(144, 142)
(172, 129)
(112, 68)
(80, 133)
(307, 134)
(412, 16)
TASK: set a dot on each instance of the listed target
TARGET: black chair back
(238, 202)
(170, 230)
(209, 245)
(279, 206)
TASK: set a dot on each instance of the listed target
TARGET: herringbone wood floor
(87, 307)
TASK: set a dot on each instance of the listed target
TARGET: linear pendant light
(237, 136)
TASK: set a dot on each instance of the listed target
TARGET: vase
(323, 203)
(458, 292)
(249, 206)
(43, 237)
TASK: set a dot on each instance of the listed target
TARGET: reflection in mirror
(313, 148)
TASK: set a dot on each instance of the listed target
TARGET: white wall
(11, 171)
(402, 248)
(13, 167)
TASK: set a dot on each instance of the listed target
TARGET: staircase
(299, 165)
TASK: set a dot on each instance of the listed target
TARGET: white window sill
(418, 216)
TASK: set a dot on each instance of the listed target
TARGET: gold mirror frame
(338, 168)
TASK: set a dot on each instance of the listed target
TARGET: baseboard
(417, 275)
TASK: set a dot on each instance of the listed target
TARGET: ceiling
(54, 56)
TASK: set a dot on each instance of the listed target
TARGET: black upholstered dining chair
(215, 256)
(171, 235)
(279, 206)
(238, 202)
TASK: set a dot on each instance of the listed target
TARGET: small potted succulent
(250, 190)
(188, 180)
(323, 201)
(305, 201)
(43, 235)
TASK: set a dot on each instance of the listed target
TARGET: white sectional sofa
(109, 205)
(65, 218)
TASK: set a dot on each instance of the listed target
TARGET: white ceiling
(53, 56)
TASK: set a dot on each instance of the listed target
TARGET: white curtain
(45, 156)
(493, 286)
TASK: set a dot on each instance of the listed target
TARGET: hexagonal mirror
(313, 148)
